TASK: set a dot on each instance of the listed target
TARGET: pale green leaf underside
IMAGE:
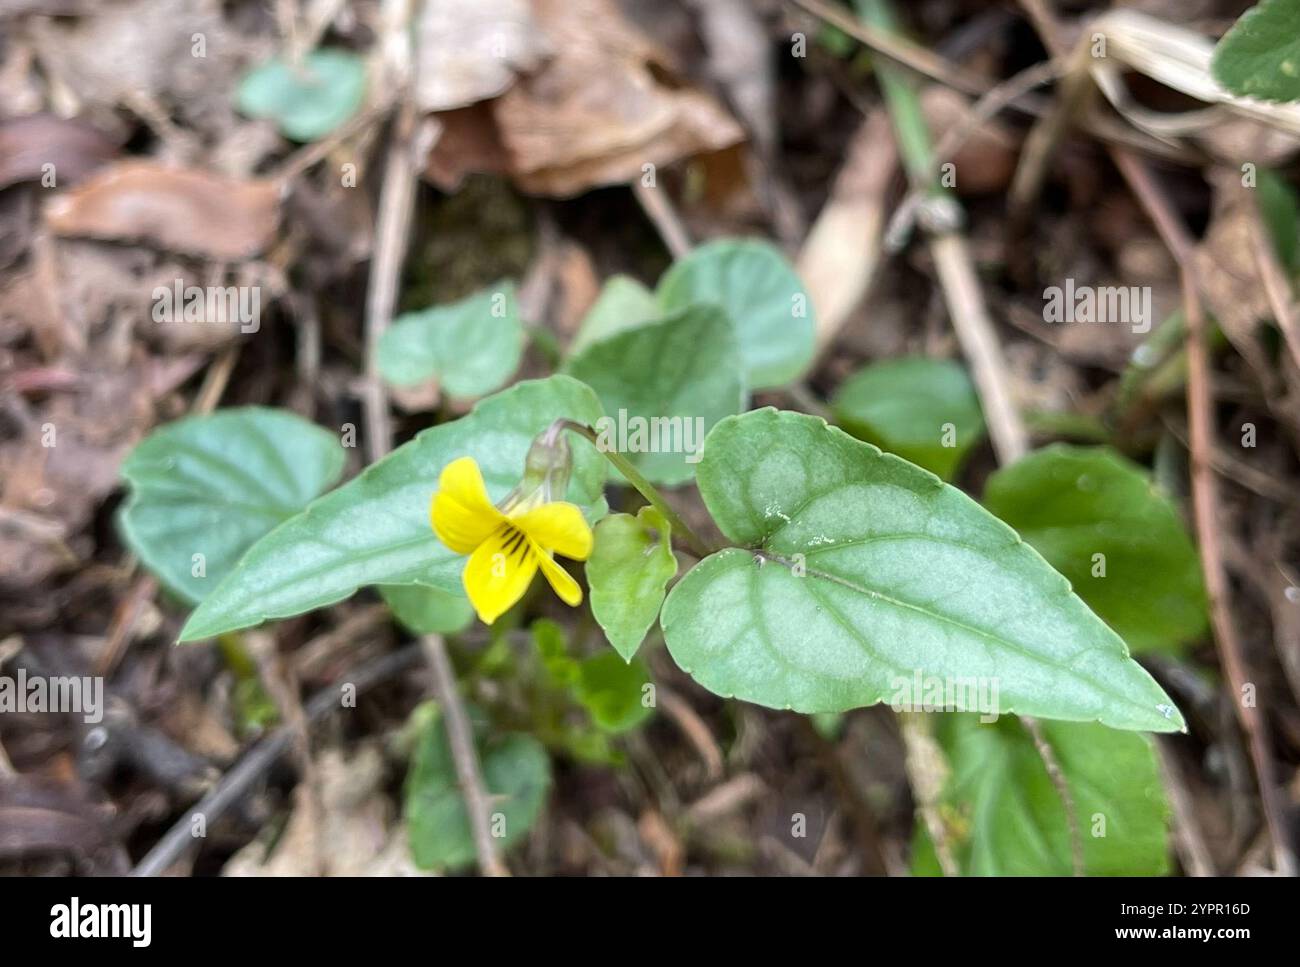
(308, 101)
(1074, 503)
(760, 292)
(1007, 818)
(423, 610)
(903, 573)
(1260, 55)
(631, 564)
(471, 347)
(516, 774)
(212, 485)
(672, 379)
(375, 529)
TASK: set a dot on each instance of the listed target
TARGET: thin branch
(980, 345)
(1276, 284)
(898, 49)
(927, 772)
(932, 65)
(392, 235)
(694, 728)
(666, 221)
(1206, 511)
(981, 112)
(1205, 501)
(952, 257)
(235, 783)
(1188, 837)
(410, 143)
(1040, 145)
(460, 736)
(1054, 772)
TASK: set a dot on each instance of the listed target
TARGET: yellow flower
(506, 546)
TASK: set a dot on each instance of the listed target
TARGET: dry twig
(1205, 498)
(460, 736)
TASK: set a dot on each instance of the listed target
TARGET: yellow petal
(558, 527)
(461, 511)
(561, 581)
(499, 572)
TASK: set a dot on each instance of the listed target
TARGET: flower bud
(546, 472)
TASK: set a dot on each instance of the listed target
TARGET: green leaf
(308, 101)
(423, 610)
(624, 303)
(1280, 207)
(212, 485)
(663, 386)
(760, 292)
(1260, 56)
(612, 691)
(1005, 817)
(552, 645)
(1074, 503)
(516, 772)
(375, 529)
(471, 347)
(913, 407)
(627, 573)
(901, 574)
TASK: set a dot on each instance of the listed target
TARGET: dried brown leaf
(562, 133)
(178, 209)
(39, 816)
(471, 52)
(73, 147)
(469, 143)
(353, 832)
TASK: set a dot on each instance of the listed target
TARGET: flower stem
(643, 486)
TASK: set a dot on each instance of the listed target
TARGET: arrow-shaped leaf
(375, 529)
(864, 570)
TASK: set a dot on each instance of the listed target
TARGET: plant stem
(912, 132)
(953, 261)
(643, 486)
(460, 736)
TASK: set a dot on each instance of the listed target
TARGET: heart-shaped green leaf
(763, 297)
(664, 385)
(516, 772)
(624, 303)
(925, 410)
(423, 610)
(866, 570)
(309, 100)
(204, 488)
(1260, 55)
(375, 529)
(1099, 520)
(471, 347)
(1005, 817)
(631, 564)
